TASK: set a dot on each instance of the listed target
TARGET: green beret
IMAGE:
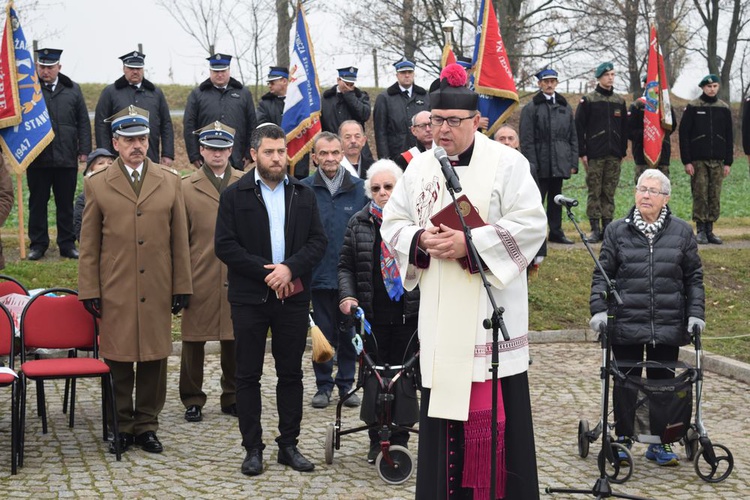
(708, 79)
(603, 68)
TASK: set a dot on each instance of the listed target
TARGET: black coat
(393, 112)
(71, 124)
(120, 95)
(602, 125)
(548, 137)
(270, 109)
(355, 269)
(746, 126)
(661, 284)
(233, 106)
(336, 108)
(635, 129)
(243, 240)
(706, 131)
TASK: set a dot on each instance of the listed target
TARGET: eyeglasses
(387, 187)
(423, 125)
(453, 121)
(651, 191)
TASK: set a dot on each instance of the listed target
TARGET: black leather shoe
(290, 455)
(149, 442)
(253, 463)
(70, 253)
(126, 441)
(193, 413)
(35, 254)
(563, 240)
(230, 410)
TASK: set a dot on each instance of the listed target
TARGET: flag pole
(21, 225)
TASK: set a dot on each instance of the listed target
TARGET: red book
(449, 217)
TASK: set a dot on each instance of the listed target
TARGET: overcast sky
(94, 33)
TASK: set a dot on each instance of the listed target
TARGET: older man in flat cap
(56, 167)
(220, 98)
(134, 269)
(707, 151)
(208, 317)
(602, 126)
(394, 109)
(456, 400)
(132, 89)
(550, 142)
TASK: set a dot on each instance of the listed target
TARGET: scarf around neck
(388, 266)
(334, 184)
(649, 229)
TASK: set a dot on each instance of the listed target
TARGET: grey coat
(548, 137)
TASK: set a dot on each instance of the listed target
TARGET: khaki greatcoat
(209, 314)
(134, 257)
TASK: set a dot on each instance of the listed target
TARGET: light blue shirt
(274, 200)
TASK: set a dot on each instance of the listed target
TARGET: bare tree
(710, 12)
(671, 27)
(201, 19)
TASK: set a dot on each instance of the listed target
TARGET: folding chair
(10, 285)
(10, 380)
(61, 322)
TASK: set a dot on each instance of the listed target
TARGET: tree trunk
(284, 29)
(508, 13)
(410, 43)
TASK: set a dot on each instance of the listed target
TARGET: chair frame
(107, 384)
(7, 347)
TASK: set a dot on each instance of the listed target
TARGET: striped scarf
(334, 184)
(649, 229)
(388, 267)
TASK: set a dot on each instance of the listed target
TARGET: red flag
(10, 104)
(493, 78)
(448, 56)
(657, 113)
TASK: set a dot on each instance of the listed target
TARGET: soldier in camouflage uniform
(601, 123)
(707, 151)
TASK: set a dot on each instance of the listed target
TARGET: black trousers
(62, 182)
(288, 323)
(549, 188)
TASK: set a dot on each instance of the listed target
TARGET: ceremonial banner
(301, 118)
(657, 113)
(23, 142)
(448, 56)
(10, 106)
(493, 78)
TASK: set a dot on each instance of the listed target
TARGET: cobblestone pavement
(202, 460)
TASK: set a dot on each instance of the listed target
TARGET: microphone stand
(497, 324)
(602, 488)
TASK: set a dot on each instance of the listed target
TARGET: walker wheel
(583, 438)
(330, 435)
(691, 443)
(620, 469)
(714, 463)
(395, 465)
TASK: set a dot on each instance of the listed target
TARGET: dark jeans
(549, 188)
(288, 324)
(339, 331)
(62, 182)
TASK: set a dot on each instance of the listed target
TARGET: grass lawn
(558, 295)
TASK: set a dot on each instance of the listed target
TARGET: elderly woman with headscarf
(369, 278)
(653, 257)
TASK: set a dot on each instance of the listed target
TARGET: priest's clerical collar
(464, 158)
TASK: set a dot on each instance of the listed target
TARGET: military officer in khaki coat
(134, 267)
(208, 317)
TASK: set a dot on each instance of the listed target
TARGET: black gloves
(179, 302)
(94, 306)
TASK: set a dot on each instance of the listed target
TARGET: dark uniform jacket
(393, 112)
(335, 211)
(548, 137)
(635, 130)
(243, 239)
(602, 124)
(120, 95)
(71, 124)
(660, 283)
(232, 106)
(337, 107)
(706, 131)
(746, 126)
(270, 109)
(357, 269)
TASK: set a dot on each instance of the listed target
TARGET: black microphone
(566, 202)
(451, 179)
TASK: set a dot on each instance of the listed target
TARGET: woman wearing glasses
(653, 257)
(368, 278)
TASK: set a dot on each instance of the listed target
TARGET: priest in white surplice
(454, 460)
